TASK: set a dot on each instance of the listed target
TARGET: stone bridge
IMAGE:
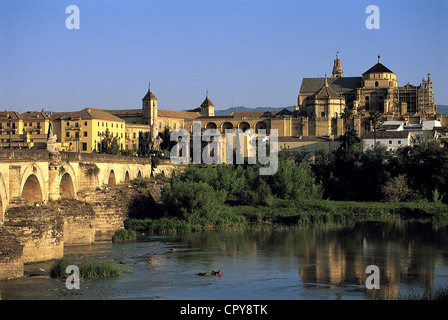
(36, 176)
(48, 200)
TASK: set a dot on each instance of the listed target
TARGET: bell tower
(337, 67)
(149, 108)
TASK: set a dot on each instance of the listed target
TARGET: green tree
(396, 189)
(191, 200)
(109, 144)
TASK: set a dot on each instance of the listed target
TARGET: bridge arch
(66, 187)
(111, 181)
(32, 184)
(127, 178)
(32, 190)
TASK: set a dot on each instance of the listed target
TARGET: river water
(258, 264)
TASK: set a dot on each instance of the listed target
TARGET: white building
(391, 139)
(396, 134)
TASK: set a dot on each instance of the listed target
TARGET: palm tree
(375, 118)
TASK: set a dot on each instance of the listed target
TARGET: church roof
(378, 68)
(149, 94)
(340, 85)
(326, 92)
(207, 102)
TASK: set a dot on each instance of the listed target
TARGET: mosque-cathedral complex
(317, 117)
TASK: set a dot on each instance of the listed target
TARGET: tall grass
(88, 268)
(124, 235)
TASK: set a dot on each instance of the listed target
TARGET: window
(174, 126)
(85, 123)
(102, 124)
(38, 125)
(67, 134)
(25, 124)
(84, 146)
(76, 124)
(390, 141)
(133, 135)
(376, 83)
(68, 124)
(77, 135)
(160, 125)
(85, 133)
(399, 141)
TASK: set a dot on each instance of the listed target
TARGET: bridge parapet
(25, 155)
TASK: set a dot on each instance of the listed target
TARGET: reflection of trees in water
(403, 251)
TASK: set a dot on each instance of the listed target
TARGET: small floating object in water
(217, 273)
(213, 273)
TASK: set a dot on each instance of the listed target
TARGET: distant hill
(442, 108)
(227, 112)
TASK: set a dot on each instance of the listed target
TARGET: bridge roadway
(35, 176)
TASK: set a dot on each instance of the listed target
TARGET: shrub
(88, 268)
(124, 235)
(186, 199)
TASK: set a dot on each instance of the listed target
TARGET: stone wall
(11, 260)
(39, 230)
(78, 221)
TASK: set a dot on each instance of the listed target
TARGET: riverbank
(294, 213)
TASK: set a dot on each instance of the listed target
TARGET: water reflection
(261, 263)
(406, 253)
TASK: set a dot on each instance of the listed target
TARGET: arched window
(376, 83)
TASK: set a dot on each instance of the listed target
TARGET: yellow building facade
(26, 130)
(83, 131)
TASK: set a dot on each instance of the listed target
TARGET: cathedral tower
(337, 67)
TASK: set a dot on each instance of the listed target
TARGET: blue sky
(249, 53)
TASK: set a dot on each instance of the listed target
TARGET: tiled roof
(327, 92)
(340, 85)
(378, 68)
(125, 111)
(386, 135)
(87, 113)
(178, 114)
(5, 114)
(26, 116)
